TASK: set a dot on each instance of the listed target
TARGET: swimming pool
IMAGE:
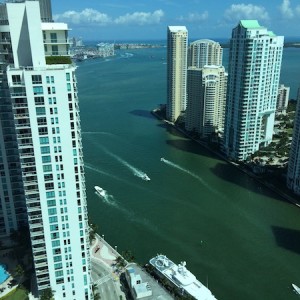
(3, 274)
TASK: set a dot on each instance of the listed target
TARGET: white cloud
(88, 15)
(246, 11)
(286, 10)
(141, 18)
(195, 17)
(92, 16)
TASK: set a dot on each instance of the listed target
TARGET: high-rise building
(206, 95)
(177, 41)
(41, 163)
(282, 98)
(253, 80)
(293, 174)
(204, 52)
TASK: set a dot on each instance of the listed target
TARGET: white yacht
(181, 277)
(145, 177)
(100, 191)
(296, 288)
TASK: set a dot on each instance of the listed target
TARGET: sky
(116, 20)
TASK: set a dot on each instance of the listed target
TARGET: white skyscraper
(176, 71)
(253, 81)
(41, 161)
(293, 175)
(206, 88)
(206, 94)
(204, 52)
(282, 98)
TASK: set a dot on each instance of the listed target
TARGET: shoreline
(269, 185)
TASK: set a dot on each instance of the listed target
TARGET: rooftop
(177, 28)
(250, 24)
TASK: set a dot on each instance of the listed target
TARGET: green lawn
(17, 294)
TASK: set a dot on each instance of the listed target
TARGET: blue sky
(103, 20)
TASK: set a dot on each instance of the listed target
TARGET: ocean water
(237, 235)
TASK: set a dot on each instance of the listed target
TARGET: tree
(47, 294)
(92, 231)
(19, 272)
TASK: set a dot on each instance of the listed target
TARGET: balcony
(57, 42)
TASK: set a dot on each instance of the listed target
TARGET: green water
(231, 231)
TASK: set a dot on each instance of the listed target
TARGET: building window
(44, 140)
(53, 37)
(36, 79)
(38, 90)
(16, 79)
(54, 50)
(45, 149)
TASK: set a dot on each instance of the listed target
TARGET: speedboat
(162, 159)
(145, 177)
(296, 288)
(100, 191)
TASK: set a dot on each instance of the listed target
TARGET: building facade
(41, 158)
(206, 95)
(177, 41)
(253, 80)
(293, 174)
(204, 52)
(282, 98)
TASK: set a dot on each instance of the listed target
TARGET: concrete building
(206, 94)
(282, 98)
(177, 42)
(41, 162)
(138, 288)
(253, 80)
(293, 174)
(205, 52)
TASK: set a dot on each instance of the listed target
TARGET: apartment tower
(177, 41)
(206, 88)
(282, 98)
(253, 81)
(293, 174)
(204, 52)
(41, 161)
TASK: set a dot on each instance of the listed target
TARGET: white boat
(162, 159)
(296, 288)
(100, 191)
(145, 177)
(180, 277)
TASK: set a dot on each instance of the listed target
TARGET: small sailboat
(296, 288)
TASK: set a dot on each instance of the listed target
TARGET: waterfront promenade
(104, 274)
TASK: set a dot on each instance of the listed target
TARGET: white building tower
(282, 98)
(253, 81)
(41, 159)
(206, 94)
(176, 71)
(205, 52)
(293, 174)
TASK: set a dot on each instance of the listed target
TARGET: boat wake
(167, 162)
(107, 198)
(135, 171)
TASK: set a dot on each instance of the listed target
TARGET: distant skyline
(144, 19)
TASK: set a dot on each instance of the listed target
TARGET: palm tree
(95, 292)
(19, 272)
